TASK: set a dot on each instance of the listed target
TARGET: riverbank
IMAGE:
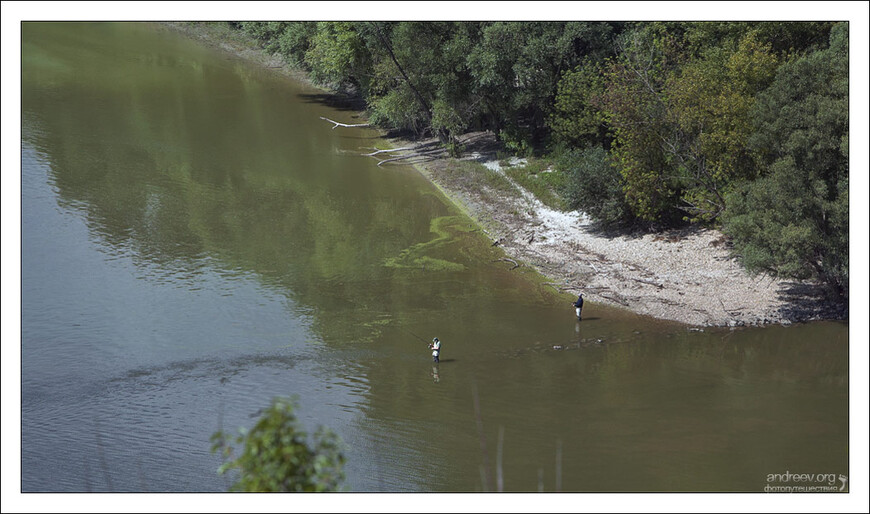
(688, 276)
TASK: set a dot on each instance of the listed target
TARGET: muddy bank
(687, 276)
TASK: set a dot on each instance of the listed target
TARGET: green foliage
(447, 118)
(295, 39)
(682, 123)
(594, 185)
(422, 63)
(516, 67)
(517, 141)
(784, 38)
(276, 456)
(709, 106)
(635, 104)
(476, 177)
(574, 119)
(265, 32)
(793, 222)
(398, 109)
(289, 39)
(336, 55)
(542, 182)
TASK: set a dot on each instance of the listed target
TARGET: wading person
(578, 306)
(435, 346)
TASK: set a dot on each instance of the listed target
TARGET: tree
(681, 118)
(337, 55)
(516, 67)
(419, 80)
(574, 119)
(265, 32)
(793, 222)
(276, 456)
(784, 37)
(635, 104)
(709, 106)
(295, 40)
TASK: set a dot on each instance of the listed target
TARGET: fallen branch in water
(338, 124)
(389, 150)
(427, 153)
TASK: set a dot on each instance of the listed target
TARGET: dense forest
(742, 126)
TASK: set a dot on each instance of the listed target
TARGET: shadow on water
(222, 370)
(337, 101)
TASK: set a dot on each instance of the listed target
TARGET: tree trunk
(389, 48)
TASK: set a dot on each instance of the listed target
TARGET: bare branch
(426, 153)
(337, 124)
(390, 150)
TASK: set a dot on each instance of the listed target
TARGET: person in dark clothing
(578, 305)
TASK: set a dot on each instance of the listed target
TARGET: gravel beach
(688, 276)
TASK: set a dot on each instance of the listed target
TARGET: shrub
(594, 185)
(276, 456)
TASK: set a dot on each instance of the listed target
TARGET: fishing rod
(413, 334)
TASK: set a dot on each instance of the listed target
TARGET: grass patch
(476, 176)
(543, 183)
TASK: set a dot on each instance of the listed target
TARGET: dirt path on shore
(687, 276)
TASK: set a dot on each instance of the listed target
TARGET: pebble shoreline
(688, 276)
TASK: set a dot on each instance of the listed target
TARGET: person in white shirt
(435, 346)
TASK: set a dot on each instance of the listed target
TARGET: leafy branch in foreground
(276, 456)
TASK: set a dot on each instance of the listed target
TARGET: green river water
(196, 241)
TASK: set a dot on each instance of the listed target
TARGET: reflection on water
(196, 241)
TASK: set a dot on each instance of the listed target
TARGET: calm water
(195, 242)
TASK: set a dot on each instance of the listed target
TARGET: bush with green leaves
(794, 221)
(574, 120)
(275, 455)
(594, 185)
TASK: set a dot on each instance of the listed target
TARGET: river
(196, 241)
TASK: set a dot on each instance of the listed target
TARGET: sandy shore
(686, 276)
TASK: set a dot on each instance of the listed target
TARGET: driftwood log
(338, 124)
(431, 149)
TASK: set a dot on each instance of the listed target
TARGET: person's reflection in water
(435, 377)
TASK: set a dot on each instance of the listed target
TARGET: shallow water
(196, 241)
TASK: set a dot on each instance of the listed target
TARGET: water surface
(196, 241)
